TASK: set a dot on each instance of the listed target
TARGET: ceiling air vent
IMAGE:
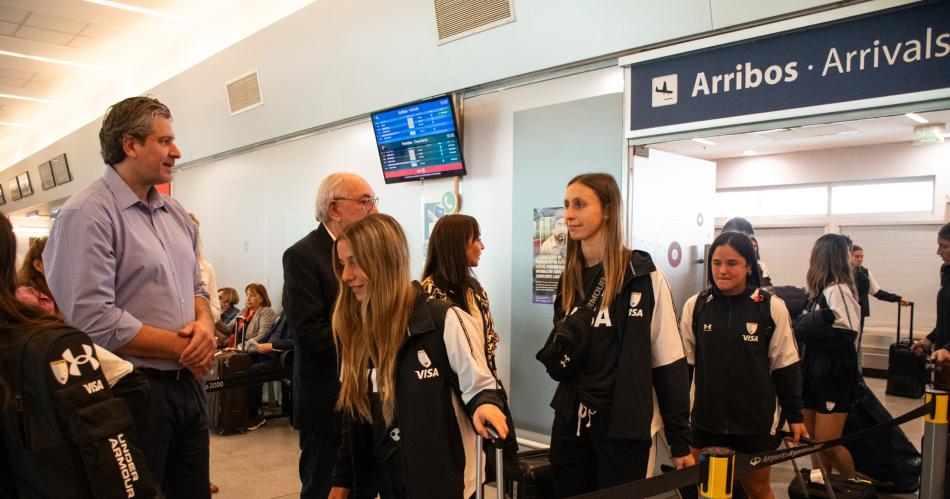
(244, 93)
(459, 18)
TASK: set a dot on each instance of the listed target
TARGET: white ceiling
(884, 130)
(86, 56)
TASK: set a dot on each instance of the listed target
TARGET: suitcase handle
(499, 463)
(910, 330)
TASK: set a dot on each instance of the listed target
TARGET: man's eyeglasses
(367, 201)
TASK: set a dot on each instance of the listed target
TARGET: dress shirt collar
(332, 235)
(124, 195)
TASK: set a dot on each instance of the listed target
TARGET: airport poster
(550, 250)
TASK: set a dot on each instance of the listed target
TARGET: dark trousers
(592, 461)
(176, 439)
(317, 458)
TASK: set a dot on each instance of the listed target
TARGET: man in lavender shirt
(121, 263)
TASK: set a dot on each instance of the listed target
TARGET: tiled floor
(263, 464)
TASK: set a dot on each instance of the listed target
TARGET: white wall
(336, 59)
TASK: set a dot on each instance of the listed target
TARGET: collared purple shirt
(114, 263)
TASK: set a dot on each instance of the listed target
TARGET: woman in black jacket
(829, 330)
(604, 415)
(939, 339)
(412, 385)
(747, 378)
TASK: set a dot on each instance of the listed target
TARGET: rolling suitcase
(530, 477)
(229, 409)
(906, 372)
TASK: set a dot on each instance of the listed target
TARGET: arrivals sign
(873, 59)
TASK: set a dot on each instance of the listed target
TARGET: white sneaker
(816, 477)
(257, 425)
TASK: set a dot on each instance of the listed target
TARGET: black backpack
(65, 434)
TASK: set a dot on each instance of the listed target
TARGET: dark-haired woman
(413, 388)
(455, 246)
(23, 319)
(747, 377)
(31, 281)
(257, 315)
(604, 415)
(829, 330)
(939, 339)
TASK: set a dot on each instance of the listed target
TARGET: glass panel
(884, 197)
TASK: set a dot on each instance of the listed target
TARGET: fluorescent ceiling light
(916, 117)
(16, 125)
(705, 142)
(51, 60)
(749, 152)
(31, 99)
(139, 10)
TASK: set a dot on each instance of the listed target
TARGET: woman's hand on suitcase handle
(490, 414)
(905, 302)
(941, 355)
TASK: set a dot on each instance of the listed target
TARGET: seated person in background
(228, 297)
(266, 352)
(31, 282)
(257, 315)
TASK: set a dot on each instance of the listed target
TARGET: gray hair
(331, 188)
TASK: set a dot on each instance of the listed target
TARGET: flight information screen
(418, 141)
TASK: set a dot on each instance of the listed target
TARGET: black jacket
(862, 281)
(430, 441)
(940, 336)
(829, 357)
(644, 365)
(310, 290)
(745, 359)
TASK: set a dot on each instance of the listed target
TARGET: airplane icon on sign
(664, 90)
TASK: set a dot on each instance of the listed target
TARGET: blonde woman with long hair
(414, 389)
(828, 330)
(620, 302)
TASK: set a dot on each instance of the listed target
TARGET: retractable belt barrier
(744, 463)
(249, 379)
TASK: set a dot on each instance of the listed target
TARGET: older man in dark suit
(310, 291)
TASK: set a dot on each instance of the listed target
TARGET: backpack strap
(704, 297)
(765, 310)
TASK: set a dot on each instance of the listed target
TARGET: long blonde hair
(615, 254)
(372, 330)
(830, 264)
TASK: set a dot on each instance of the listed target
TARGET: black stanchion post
(717, 471)
(935, 446)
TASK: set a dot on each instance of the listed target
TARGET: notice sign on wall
(878, 58)
(550, 249)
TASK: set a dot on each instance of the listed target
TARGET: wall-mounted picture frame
(60, 169)
(46, 176)
(26, 188)
(14, 189)
(3, 200)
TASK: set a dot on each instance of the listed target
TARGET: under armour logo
(75, 362)
(565, 360)
(394, 434)
(707, 327)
